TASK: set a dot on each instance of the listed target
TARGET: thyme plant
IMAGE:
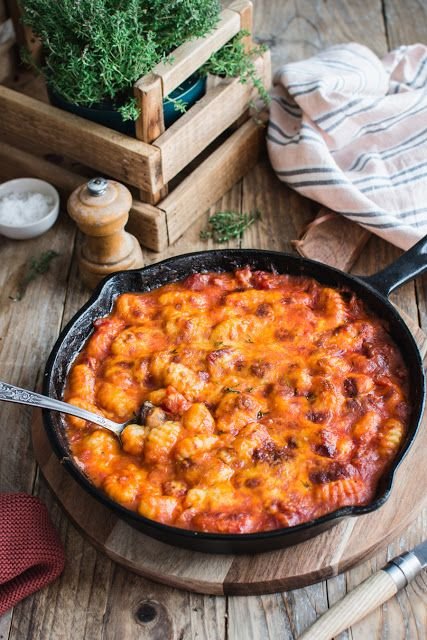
(94, 50)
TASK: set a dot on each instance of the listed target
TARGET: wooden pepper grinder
(101, 210)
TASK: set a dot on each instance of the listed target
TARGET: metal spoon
(10, 393)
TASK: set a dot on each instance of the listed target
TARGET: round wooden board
(326, 555)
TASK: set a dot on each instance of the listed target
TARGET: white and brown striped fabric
(350, 131)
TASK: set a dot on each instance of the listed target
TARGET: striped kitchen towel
(350, 131)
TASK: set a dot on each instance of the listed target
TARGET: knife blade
(369, 595)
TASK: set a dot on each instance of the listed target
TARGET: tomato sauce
(269, 400)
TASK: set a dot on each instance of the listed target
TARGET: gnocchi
(274, 400)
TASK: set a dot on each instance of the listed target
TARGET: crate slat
(216, 175)
(148, 92)
(205, 121)
(190, 56)
(107, 151)
(150, 124)
(245, 9)
(149, 225)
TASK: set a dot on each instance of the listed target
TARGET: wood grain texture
(245, 9)
(149, 94)
(191, 55)
(148, 224)
(120, 156)
(8, 60)
(21, 361)
(323, 556)
(206, 120)
(295, 31)
(215, 175)
(369, 595)
(405, 22)
(95, 599)
(298, 30)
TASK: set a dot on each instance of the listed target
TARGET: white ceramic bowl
(30, 229)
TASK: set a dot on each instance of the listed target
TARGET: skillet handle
(408, 266)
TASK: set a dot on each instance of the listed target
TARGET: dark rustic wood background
(95, 598)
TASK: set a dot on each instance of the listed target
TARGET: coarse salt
(17, 209)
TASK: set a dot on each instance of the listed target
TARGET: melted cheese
(278, 400)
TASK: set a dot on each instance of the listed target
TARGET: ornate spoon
(10, 393)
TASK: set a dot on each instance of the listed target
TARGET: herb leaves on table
(35, 267)
(226, 225)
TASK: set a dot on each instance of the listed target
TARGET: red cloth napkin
(31, 554)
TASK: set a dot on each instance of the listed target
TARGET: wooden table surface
(95, 598)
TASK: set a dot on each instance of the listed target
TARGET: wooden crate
(186, 159)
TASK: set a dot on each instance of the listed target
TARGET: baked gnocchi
(273, 400)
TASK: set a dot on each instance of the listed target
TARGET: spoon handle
(10, 393)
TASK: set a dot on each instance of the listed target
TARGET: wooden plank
(150, 124)
(205, 121)
(245, 9)
(191, 241)
(270, 617)
(284, 213)
(148, 92)
(111, 153)
(295, 33)
(225, 166)
(406, 22)
(28, 328)
(148, 611)
(82, 603)
(148, 224)
(5, 624)
(190, 56)
(154, 198)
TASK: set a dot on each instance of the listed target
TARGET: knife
(369, 595)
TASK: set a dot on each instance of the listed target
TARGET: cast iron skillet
(373, 289)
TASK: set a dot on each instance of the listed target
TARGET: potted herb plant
(94, 51)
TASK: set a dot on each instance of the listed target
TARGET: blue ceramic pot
(188, 92)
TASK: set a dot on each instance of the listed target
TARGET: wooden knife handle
(369, 595)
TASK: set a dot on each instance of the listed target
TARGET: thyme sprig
(225, 225)
(35, 267)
